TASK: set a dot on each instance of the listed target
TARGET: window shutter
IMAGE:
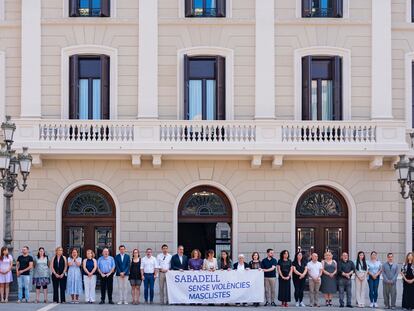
(412, 11)
(73, 8)
(337, 8)
(221, 87)
(412, 92)
(337, 88)
(105, 8)
(221, 8)
(105, 61)
(306, 87)
(186, 86)
(306, 8)
(189, 8)
(74, 87)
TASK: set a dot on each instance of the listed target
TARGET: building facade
(224, 124)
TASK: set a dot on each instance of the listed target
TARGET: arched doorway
(205, 220)
(88, 220)
(322, 222)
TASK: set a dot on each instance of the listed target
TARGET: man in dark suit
(179, 261)
(122, 264)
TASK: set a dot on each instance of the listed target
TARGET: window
(204, 88)
(322, 8)
(89, 8)
(412, 95)
(322, 88)
(412, 11)
(205, 8)
(89, 87)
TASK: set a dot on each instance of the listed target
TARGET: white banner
(215, 287)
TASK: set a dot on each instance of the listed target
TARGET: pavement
(155, 307)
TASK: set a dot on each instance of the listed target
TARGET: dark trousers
(59, 285)
(345, 285)
(373, 289)
(149, 286)
(107, 284)
(299, 288)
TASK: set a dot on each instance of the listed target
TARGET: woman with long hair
(299, 277)
(58, 266)
(195, 262)
(328, 279)
(225, 261)
(284, 269)
(361, 271)
(255, 264)
(135, 276)
(74, 284)
(210, 263)
(41, 274)
(374, 272)
(407, 272)
(6, 265)
(89, 267)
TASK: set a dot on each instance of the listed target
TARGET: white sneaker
(375, 305)
(120, 302)
(297, 304)
(125, 302)
(302, 304)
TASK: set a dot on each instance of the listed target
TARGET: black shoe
(111, 302)
(266, 304)
(349, 306)
(341, 305)
(102, 302)
(273, 304)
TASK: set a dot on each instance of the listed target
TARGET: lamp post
(405, 169)
(10, 166)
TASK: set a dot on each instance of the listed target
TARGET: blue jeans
(23, 281)
(373, 289)
(149, 286)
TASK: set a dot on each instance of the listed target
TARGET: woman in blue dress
(74, 282)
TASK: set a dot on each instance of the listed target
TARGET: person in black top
(179, 261)
(299, 277)
(225, 261)
(284, 269)
(58, 266)
(135, 278)
(269, 268)
(345, 270)
(24, 264)
(255, 263)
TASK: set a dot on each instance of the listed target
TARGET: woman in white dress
(210, 263)
(74, 283)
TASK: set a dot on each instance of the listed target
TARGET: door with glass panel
(88, 221)
(321, 88)
(322, 222)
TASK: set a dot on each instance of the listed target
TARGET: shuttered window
(204, 88)
(412, 96)
(205, 8)
(321, 88)
(322, 8)
(412, 14)
(89, 87)
(89, 8)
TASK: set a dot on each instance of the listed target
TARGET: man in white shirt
(314, 272)
(149, 272)
(164, 264)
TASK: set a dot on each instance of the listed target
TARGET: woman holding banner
(225, 262)
(210, 263)
(284, 268)
(195, 262)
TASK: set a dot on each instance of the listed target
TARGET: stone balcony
(255, 139)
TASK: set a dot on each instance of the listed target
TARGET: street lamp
(405, 169)
(10, 166)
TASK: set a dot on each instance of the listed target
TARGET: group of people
(75, 276)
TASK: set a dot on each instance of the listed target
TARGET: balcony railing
(203, 137)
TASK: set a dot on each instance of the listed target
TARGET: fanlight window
(320, 203)
(89, 203)
(204, 203)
